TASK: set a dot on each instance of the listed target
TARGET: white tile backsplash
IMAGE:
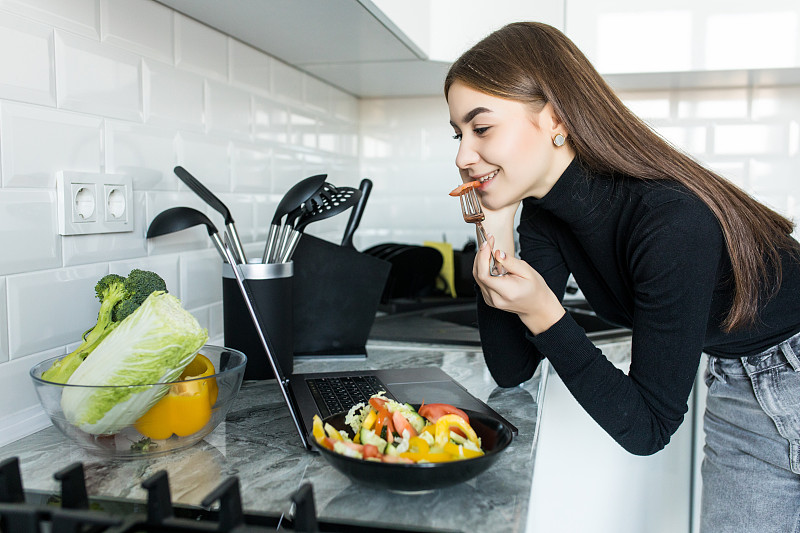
(200, 48)
(29, 236)
(36, 82)
(39, 141)
(78, 16)
(98, 78)
(51, 308)
(129, 86)
(141, 26)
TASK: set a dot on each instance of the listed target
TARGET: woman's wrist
(543, 317)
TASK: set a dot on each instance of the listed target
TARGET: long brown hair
(535, 64)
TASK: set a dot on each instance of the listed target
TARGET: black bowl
(495, 437)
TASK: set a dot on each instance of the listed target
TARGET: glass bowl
(188, 409)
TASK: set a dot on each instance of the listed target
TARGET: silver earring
(559, 139)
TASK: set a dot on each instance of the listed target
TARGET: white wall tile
(303, 129)
(30, 236)
(3, 322)
(200, 278)
(145, 153)
(71, 301)
(98, 78)
(173, 97)
(207, 159)
(142, 26)
(344, 106)
(287, 169)
(28, 77)
(318, 95)
(84, 249)
(270, 121)
(200, 48)
(228, 111)
(714, 104)
(775, 102)
(251, 168)
(36, 142)
(78, 16)
(215, 325)
(648, 105)
(287, 83)
(756, 139)
(250, 68)
(688, 138)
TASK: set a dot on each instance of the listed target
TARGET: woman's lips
(487, 178)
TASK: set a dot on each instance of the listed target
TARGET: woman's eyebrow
(472, 114)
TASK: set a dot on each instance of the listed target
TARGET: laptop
(312, 394)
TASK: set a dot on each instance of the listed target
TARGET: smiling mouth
(488, 177)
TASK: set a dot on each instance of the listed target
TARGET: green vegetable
(119, 297)
(152, 345)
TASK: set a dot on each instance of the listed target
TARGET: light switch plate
(90, 203)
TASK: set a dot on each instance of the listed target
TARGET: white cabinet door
(624, 36)
(585, 482)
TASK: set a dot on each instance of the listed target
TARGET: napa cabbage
(152, 345)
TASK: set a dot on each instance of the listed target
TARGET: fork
(473, 214)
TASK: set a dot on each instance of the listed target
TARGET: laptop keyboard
(338, 394)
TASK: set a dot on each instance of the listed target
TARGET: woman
(657, 244)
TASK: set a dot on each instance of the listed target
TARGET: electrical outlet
(91, 203)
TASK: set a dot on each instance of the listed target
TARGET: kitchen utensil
(271, 286)
(335, 296)
(255, 317)
(343, 199)
(494, 434)
(473, 214)
(355, 215)
(129, 442)
(209, 198)
(325, 191)
(179, 218)
(293, 198)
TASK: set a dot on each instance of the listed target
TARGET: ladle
(180, 218)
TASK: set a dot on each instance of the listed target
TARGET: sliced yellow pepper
(443, 425)
(461, 452)
(369, 421)
(318, 429)
(332, 432)
(186, 408)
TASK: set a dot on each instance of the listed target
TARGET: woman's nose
(466, 155)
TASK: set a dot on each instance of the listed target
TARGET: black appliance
(73, 511)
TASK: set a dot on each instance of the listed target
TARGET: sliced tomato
(370, 450)
(464, 187)
(377, 402)
(433, 411)
(384, 420)
(401, 424)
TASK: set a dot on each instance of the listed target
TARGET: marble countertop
(258, 444)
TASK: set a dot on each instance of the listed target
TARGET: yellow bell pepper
(443, 425)
(186, 408)
(460, 452)
(318, 429)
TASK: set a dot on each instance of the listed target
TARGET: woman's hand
(500, 223)
(522, 291)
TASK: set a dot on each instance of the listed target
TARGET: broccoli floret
(119, 297)
(138, 285)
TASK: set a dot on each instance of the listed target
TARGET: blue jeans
(751, 469)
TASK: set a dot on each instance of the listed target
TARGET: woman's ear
(550, 122)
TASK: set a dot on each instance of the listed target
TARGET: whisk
(473, 214)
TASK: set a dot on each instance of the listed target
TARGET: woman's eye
(480, 131)
(457, 136)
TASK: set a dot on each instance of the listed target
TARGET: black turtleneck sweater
(649, 256)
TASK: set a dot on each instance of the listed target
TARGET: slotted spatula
(208, 197)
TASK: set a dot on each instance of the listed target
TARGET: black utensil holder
(271, 288)
(336, 294)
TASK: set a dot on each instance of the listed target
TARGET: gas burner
(74, 512)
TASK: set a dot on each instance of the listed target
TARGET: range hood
(350, 44)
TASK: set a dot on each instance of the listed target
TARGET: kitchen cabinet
(629, 36)
(584, 481)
